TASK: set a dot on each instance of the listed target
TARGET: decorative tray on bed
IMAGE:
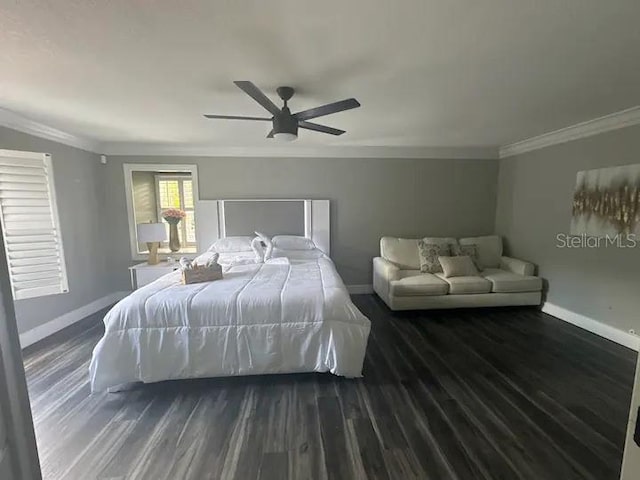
(201, 273)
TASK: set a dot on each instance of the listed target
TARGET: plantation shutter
(29, 217)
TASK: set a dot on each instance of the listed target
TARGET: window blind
(30, 224)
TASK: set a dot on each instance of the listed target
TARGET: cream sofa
(503, 281)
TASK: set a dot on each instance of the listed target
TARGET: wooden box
(200, 273)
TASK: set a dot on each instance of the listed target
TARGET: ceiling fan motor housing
(284, 122)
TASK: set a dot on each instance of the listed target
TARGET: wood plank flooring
(488, 394)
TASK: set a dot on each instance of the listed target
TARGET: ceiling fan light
(285, 136)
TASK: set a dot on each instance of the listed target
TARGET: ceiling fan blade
(320, 128)
(235, 117)
(328, 109)
(270, 134)
(255, 93)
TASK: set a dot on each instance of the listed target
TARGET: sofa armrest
(385, 269)
(514, 265)
(383, 273)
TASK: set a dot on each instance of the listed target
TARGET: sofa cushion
(441, 240)
(507, 282)
(466, 285)
(401, 251)
(489, 249)
(415, 283)
(429, 254)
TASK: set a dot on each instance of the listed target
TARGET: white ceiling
(454, 73)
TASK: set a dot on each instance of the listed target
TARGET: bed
(289, 314)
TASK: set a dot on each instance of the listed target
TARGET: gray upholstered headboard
(273, 218)
(224, 218)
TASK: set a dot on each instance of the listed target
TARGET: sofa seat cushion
(507, 282)
(412, 283)
(466, 285)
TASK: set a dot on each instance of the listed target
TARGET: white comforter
(259, 319)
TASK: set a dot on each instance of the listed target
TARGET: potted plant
(173, 216)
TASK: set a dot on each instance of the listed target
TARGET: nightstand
(143, 273)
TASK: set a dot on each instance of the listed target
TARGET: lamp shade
(151, 232)
(285, 136)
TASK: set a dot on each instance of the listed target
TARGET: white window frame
(129, 168)
(64, 281)
(182, 225)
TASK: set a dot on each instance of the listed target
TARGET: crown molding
(293, 151)
(17, 122)
(614, 121)
(20, 123)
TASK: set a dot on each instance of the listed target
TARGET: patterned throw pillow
(469, 251)
(429, 253)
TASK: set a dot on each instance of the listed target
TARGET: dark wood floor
(491, 394)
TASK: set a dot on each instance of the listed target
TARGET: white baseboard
(359, 289)
(594, 326)
(36, 334)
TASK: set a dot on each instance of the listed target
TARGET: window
(30, 223)
(174, 191)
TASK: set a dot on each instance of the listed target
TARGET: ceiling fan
(285, 124)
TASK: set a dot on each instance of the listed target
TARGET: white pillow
(292, 242)
(461, 266)
(232, 244)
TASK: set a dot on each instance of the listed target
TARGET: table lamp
(152, 234)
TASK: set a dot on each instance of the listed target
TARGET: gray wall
(369, 198)
(80, 194)
(534, 205)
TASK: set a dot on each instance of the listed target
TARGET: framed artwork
(606, 201)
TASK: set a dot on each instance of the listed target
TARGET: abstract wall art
(606, 201)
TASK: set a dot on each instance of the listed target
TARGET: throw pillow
(489, 249)
(429, 253)
(470, 250)
(461, 266)
(292, 242)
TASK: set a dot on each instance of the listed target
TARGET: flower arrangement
(173, 215)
